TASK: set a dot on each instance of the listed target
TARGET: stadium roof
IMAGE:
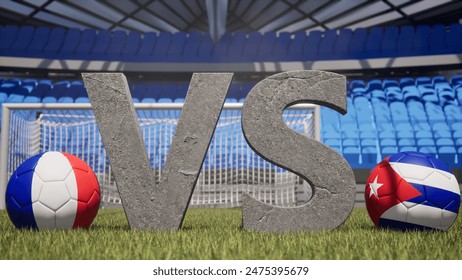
(232, 15)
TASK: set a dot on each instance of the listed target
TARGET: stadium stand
(376, 42)
(384, 116)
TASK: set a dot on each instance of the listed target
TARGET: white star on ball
(374, 187)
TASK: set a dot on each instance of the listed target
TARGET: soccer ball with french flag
(412, 191)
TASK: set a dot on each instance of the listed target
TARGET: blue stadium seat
(378, 95)
(326, 45)
(454, 38)
(404, 134)
(405, 41)
(406, 142)
(388, 151)
(266, 46)
(416, 112)
(162, 46)
(411, 93)
(408, 149)
(205, 51)
(369, 157)
(70, 43)
(56, 92)
(389, 41)
(86, 43)
(250, 49)
(435, 113)
(352, 155)
(177, 46)
(8, 34)
(342, 45)
(281, 46)
(236, 45)
(388, 142)
(392, 90)
(438, 40)
(448, 155)
(441, 142)
(422, 134)
(116, 45)
(101, 45)
(23, 40)
(310, 49)
(358, 43)
(398, 112)
(375, 84)
(406, 81)
(146, 46)
(421, 42)
(191, 46)
(131, 46)
(428, 150)
(373, 44)
(296, 46)
(38, 41)
(54, 42)
(220, 52)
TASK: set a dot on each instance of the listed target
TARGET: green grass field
(217, 234)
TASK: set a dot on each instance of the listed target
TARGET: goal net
(230, 166)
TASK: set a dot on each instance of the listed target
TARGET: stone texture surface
(148, 206)
(118, 124)
(199, 117)
(328, 173)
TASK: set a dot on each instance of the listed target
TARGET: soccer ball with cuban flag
(53, 190)
(412, 191)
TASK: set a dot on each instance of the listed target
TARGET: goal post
(230, 166)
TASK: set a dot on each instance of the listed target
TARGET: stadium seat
(86, 44)
(352, 155)
(236, 46)
(205, 50)
(103, 39)
(265, 48)
(310, 49)
(38, 42)
(54, 42)
(421, 42)
(8, 34)
(398, 112)
(162, 46)
(448, 155)
(296, 46)
(220, 51)
(388, 151)
(326, 45)
(146, 46)
(435, 113)
(389, 41)
(358, 42)
(23, 40)
(250, 49)
(416, 112)
(388, 142)
(70, 43)
(454, 38)
(131, 46)
(373, 44)
(116, 45)
(411, 93)
(281, 46)
(369, 157)
(405, 40)
(438, 39)
(341, 47)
